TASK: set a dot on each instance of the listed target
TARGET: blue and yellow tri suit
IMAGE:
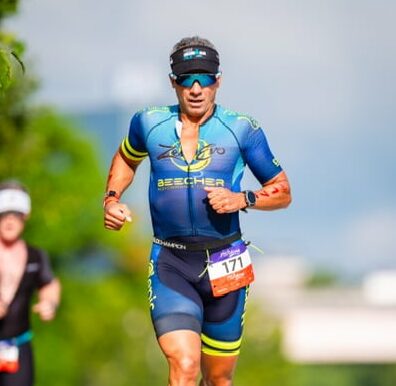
(179, 297)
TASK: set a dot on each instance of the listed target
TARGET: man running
(200, 269)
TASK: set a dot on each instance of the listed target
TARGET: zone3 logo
(201, 160)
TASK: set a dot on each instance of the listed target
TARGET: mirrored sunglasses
(187, 80)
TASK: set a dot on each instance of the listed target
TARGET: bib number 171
(233, 264)
(230, 269)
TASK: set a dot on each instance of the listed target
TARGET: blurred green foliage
(61, 172)
(102, 336)
(8, 7)
(11, 50)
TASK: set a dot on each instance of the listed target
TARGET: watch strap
(110, 196)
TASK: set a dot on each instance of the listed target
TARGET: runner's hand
(45, 309)
(115, 215)
(222, 200)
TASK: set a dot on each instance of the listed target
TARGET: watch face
(111, 193)
(251, 197)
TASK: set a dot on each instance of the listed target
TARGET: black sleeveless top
(37, 274)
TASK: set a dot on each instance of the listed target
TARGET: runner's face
(196, 102)
(11, 226)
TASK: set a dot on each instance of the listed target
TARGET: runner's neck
(10, 247)
(196, 122)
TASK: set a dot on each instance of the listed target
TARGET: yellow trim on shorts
(220, 348)
(130, 152)
(217, 353)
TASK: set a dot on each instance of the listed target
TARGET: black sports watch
(111, 193)
(250, 198)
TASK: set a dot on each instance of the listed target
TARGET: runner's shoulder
(238, 121)
(36, 254)
(155, 114)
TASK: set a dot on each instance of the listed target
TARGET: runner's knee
(185, 366)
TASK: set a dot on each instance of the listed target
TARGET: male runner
(199, 270)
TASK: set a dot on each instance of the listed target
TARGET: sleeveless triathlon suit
(15, 326)
(180, 296)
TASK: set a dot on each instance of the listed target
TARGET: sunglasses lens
(188, 80)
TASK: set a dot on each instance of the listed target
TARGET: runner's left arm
(274, 194)
(48, 300)
(49, 290)
(275, 191)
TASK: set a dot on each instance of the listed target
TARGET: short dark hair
(191, 42)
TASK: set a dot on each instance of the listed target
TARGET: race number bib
(230, 269)
(9, 357)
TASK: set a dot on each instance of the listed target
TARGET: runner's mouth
(195, 101)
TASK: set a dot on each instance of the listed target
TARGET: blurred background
(319, 77)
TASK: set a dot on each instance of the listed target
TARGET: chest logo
(201, 160)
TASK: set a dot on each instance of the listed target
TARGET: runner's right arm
(122, 171)
(121, 174)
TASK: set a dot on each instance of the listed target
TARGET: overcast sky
(318, 75)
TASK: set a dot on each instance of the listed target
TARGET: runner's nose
(196, 88)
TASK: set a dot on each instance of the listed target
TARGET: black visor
(195, 59)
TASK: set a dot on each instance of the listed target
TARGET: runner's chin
(196, 108)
